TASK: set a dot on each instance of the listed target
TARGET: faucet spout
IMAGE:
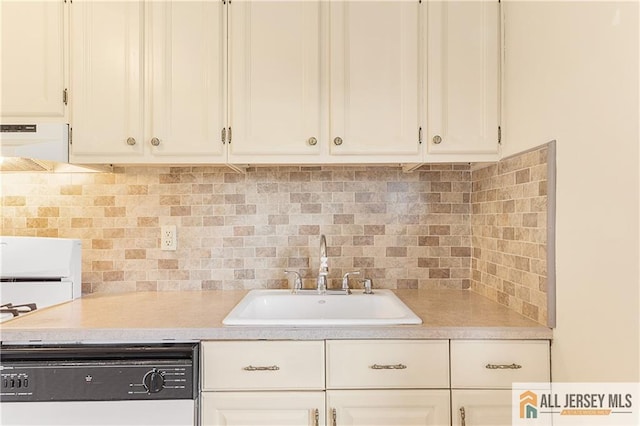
(323, 271)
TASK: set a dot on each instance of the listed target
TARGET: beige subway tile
(71, 190)
(530, 311)
(146, 286)
(135, 254)
(37, 223)
(101, 244)
(14, 200)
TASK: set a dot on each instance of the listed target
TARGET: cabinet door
(186, 43)
(462, 74)
(274, 80)
(106, 74)
(375, 91)
(263, 408)
(481, 407)
(388, 407)
(32, 76)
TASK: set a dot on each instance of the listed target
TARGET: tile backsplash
(403, 230)
(437, 227)
(509, 223)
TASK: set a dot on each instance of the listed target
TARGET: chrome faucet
(323, 271)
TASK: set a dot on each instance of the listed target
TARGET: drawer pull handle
(388, 367)
(316, 417)
(267, 368)
(503, 366)
(463, 417)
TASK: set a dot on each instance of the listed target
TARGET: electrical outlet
(168, 238)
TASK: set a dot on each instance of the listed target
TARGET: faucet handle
(345, 280)
(367, 286)
(297, 283)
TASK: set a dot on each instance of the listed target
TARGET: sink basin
(281, 307)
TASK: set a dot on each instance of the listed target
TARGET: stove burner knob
(153, 381)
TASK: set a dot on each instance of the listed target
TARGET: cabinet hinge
(420, 135)
(499, 135)
(65, 96)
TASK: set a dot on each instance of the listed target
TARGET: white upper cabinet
(107, 81)
(275, 110)
(33, 72)
(148, 82)
(463, 74)
(374, 79)
(324, 82)
(293, 82)
(186, 66)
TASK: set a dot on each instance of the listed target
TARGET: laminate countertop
(198, 315)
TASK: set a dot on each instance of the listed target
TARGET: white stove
(37, 272)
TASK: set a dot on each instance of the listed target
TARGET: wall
(571, 74)
(243, 230)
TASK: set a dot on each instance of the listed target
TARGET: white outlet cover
(168, 238)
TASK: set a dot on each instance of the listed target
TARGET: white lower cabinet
(472, 407)
(398, 407)
(387, 382)
(263, 408)
(368, 382)
(482, 374)
(248, 383)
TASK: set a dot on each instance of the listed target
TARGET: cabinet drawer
(262, 365)
(498, 364)
(387, 364)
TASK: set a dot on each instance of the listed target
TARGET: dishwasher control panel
(96, 382)
(15, 382)
(98, 375)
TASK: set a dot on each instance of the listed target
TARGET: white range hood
(38, 147)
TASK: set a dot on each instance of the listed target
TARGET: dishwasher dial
(153, 381)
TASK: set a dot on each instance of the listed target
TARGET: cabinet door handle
(513, 366)
(266, 368)
(437, 139)
(312, 141)
(316, 417)
(334, 417)
(388, 367)
(462, 417)
(155, 141)
(131, 141)
(337, 141)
